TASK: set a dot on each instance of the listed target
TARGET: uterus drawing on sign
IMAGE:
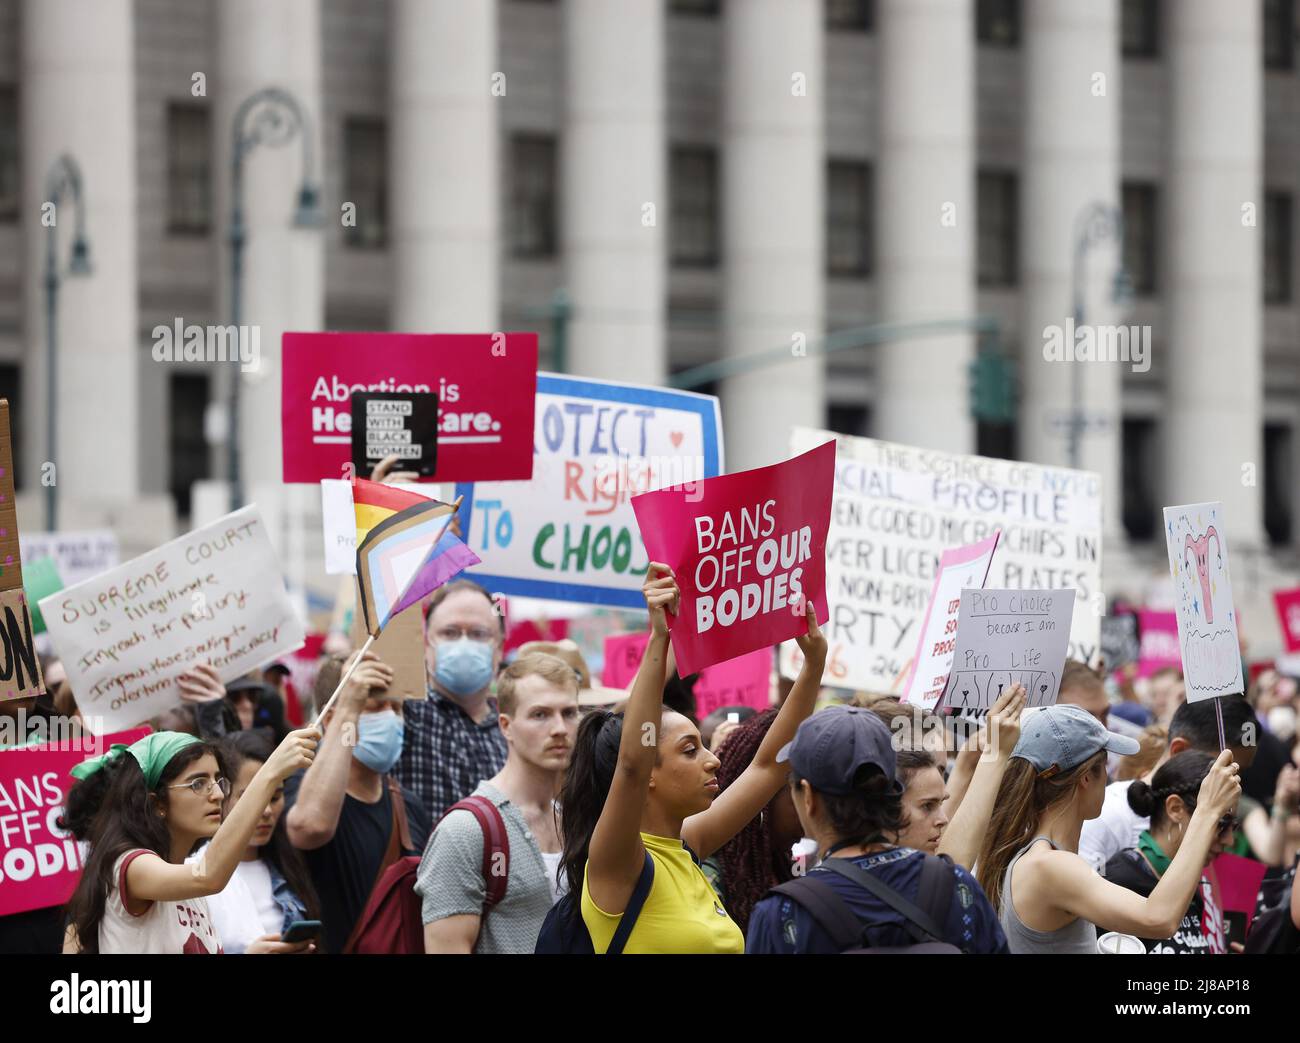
(1201, 566)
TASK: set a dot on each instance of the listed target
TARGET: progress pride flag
(486, 384)
(746, 549)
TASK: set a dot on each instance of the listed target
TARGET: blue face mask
(463, 667)
(379, 740)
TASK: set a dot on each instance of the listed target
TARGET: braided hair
(1181, 776)
(750, 866)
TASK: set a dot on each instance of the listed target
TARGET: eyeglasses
(480, 634)
(202, 786)
(1227, 824)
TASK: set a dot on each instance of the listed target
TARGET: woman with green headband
(157, 799)
(1169, 801)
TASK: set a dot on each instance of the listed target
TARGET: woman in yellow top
(642, 782)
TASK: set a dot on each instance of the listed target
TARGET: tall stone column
(926, 217)
(1213, 404)
(443, 150)
(78, 100)
(773, 256)
(615, 208)
(1071, 168)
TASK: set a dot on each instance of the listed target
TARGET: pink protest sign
(623, 654)
(39, 863)
(746, 549)
(486, 383)
(1288, 614)
(743, 681)
(959, 568)
(1238, 881)
(1158, 642)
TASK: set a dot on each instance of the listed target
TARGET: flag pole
(371, 639)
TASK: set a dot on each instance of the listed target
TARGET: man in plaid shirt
(452, 740)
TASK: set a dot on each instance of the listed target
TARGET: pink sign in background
(1238, 881)
(744, 547)
(743, 681)
(1157, 642)
(1288, 615)
(486, 383)
(39, 864)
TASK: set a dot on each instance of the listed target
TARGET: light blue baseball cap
(1058, 738)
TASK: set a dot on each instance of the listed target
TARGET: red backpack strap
(403, 830)
(496, 872)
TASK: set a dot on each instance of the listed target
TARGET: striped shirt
(445, 755)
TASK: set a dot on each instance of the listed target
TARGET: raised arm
(150, 878)
(1077, 889)
(1267, 831)
(745, 798)
(617, 855)
(961, 840)
(314, 817)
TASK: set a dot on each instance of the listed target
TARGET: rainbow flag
(373, 502)
(404, 557)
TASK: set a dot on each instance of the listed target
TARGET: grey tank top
(1078, 936)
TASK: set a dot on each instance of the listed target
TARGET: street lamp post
(270, 116)
(1096, 223)
(64, 179)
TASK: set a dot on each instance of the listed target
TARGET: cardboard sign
(745, 553)
(214, 594)
(77, 555)
(11, 566)
(401, 646)
(486, 384)
(20, 667)
(898, 507)
(958, 569)
(39, 863)
(1007, 637)
(1238, 881)
(1207, 622)
(1288, 615)
(1119, 640)
(1157, 642)
(40, 580)
(570, 534)
(743, 681)
(385, 423)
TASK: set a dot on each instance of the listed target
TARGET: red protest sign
(746, 549)
(486, 383)
(39, 863)
(1288, 614)
(743, 681)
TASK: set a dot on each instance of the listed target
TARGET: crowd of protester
(520, 808)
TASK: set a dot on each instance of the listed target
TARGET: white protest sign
(569, 533)
(958, 569)
(1007, 637)
(215, 594)
(77, 555)
(897, 507)
(1207, 619)
(339, 520)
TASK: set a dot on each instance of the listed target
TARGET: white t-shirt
(183, 926)
(552, 860)
(1116, 828)
(245, 909)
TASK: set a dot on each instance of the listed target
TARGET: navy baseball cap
(834, 744)
(1057, 738)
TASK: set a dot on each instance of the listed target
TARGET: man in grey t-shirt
(537, 696)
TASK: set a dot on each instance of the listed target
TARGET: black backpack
(564, 933)
(824, 904)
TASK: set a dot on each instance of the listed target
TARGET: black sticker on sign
(395, 423)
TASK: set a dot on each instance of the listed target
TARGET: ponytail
(586, 786)
(1022, 799)
(1180, 776)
